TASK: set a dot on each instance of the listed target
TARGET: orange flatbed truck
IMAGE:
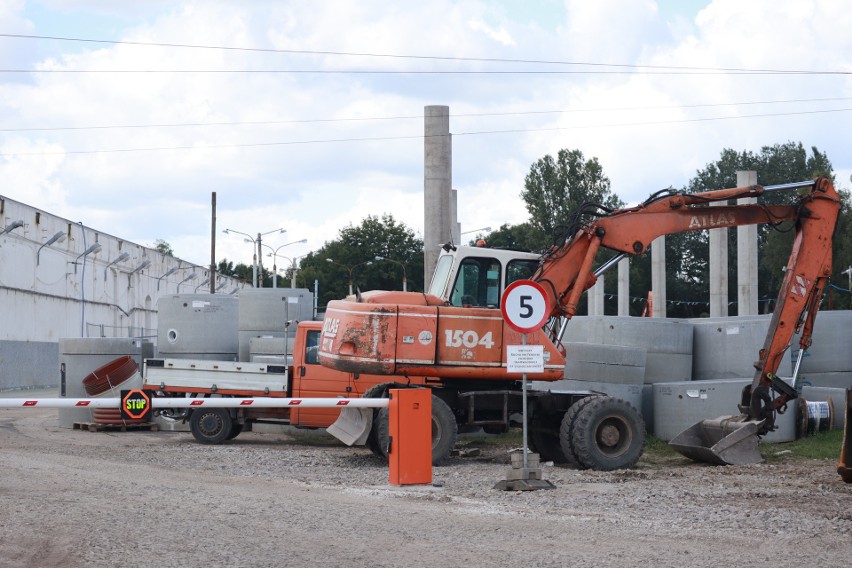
(305, 378)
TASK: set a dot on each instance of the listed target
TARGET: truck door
(312, 380)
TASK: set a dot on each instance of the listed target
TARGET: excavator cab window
(520, 270)
(442, 274)
(477, 283)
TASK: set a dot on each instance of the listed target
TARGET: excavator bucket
(353, 426)
(727, 440)
(844, 467)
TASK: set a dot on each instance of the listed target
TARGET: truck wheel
(608, 434)
(444, 431)
(236, 429)
(211, 425)
(545, 441)
(566, 432)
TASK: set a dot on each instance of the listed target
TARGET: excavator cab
(476, 277)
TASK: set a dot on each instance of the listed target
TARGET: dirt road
(75, 498)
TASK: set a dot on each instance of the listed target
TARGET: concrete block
(269, 309)
(678, 406)
(633, 394)
(606, 363)
(726, 348)
(28, 364)
(829, 352)
(197, 324)
(667, 342)
(838, 399)
(841, 380)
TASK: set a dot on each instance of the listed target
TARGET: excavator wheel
(376, 391)
(211, 425)
(544, 439)
(566, 432)
(607, 434)
(444, 431)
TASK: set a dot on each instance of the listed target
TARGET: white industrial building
(62, 279)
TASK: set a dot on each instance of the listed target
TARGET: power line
(410, 56)
(709, 72)
(417, 117)
(413, 137)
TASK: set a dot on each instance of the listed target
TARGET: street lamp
(95, 248)
(483, 229)
(168, 273)
(848, 272)
(206, 281)
(404, 279)
(123, 256)
(293, 268)
(60, 236)
(274, 255)
(257, 252)
(11, 227)
(187, 279)
(350, 269)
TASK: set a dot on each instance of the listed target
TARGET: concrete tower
(437, 186)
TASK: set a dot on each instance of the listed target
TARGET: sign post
(525, 309)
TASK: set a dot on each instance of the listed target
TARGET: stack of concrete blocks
(828, 361)
(724, 352)
(78, 357)
(271, 313)
(270, 350)
(623, 357)
(197, 326)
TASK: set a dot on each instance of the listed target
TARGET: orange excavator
(455, 335)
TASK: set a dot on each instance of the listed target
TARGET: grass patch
(820, 446)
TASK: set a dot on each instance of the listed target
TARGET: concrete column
(624, 287)
(718, 270)
(747, 255)
(454, 217)
(437, 186)
(596, 298)
(658, 276)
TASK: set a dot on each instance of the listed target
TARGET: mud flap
(727, 440)
(844, 466)
(353, 426)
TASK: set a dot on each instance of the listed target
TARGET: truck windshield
(441, 275)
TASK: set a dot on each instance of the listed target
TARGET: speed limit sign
(524, 306)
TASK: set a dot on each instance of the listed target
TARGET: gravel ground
(78, 498)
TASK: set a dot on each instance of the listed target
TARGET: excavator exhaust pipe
(727, 440)
(844, 466)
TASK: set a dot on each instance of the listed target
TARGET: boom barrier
(187, 402)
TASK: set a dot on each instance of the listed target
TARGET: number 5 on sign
(524, 306)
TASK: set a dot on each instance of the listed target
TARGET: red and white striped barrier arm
(181, 402)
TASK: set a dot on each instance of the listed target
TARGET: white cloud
(314, 189)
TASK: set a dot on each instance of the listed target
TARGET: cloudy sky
(308, 114)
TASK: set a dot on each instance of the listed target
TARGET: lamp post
(404, 279)
(257, 251)
(485, 229)
(60, 236)
(848, 272)
(169, 272)
(293, 268)
(122, 257)
(350, 269)
(192, 276)
(95, 248)
(274, 255)
(11, 227)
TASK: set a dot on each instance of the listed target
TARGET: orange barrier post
(410, 436)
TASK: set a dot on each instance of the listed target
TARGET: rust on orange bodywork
(445, 341)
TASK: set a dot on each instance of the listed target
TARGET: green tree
(354, 252)
(556, 190)
(776, 164)
(164, 247)
(516, 237)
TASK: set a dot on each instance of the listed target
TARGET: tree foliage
(556, 188)
(164, 247)
(356, 248)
